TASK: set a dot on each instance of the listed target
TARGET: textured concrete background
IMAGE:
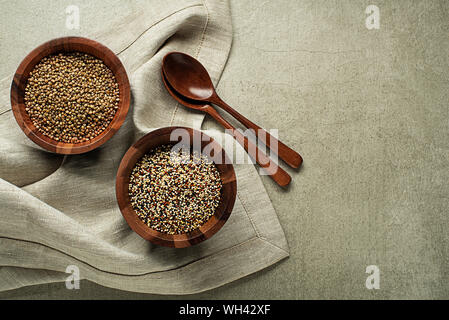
(367, 109)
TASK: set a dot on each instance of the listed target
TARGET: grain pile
(174, 193)
(71, 97)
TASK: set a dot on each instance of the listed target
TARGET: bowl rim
(207, 230)
(66, 44)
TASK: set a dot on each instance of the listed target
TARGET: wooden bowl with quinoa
(172, 198)
(70, 95)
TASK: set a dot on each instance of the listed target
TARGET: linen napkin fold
(59, 211)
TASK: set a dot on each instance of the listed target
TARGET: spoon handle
(278, 174)
(290, 156)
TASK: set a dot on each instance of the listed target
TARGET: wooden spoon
(273, 170)
(190, 79)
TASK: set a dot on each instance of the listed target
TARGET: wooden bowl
(207, 230)
(68, 44)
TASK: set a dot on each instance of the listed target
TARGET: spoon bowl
(189, 103)
(188, 76)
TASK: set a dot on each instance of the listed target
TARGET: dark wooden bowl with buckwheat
(69, 45)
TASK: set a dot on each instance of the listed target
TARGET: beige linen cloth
(59, 211)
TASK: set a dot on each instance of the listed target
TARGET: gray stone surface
(367, 109)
